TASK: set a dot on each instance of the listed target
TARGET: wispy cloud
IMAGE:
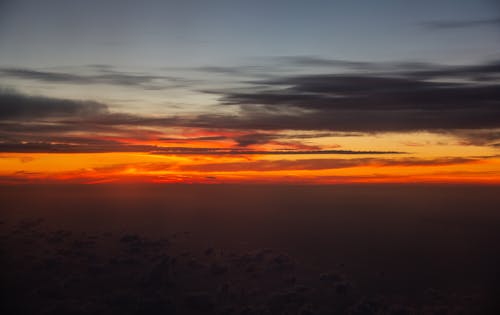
(462, 23)
(93, 146)
(104, 75)
(320, 164)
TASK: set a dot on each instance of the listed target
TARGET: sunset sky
(250, 91)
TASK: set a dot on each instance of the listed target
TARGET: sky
(312, 92)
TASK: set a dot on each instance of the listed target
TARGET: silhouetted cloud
(254, 138)
(64, 113)
(369, 102)
(17, 106)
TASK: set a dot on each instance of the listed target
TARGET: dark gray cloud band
(434, 98)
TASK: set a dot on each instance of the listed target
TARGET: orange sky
(422, 158)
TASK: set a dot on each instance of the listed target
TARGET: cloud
(364, 92)
(443, 99)
(368, 102)
(18, 106)
(315, 61)
(254, 138)
(207, 138)
(479, 137)
(437, 25)
(93, 146)
(287, 164)
(20, 112)
(489, 71)
(245, 70)
(259, 138)
(36, 124)
(104, 75)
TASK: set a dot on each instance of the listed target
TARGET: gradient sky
(240, 91)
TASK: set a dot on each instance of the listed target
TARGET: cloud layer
(369, 98)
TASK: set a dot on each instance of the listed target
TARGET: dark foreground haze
(250, 249)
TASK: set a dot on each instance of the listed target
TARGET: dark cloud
(366, 92)
(489, 71)
(461, 23)
(53, 77)
(208, 138)
(49, 147)
(254, 138)
(479, 137)
(274, 67)
(38, 113)
(17, 106)
(369, 102)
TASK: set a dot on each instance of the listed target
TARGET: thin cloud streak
(44, 147)
(437, 25)
(321, 164)
(105, 76)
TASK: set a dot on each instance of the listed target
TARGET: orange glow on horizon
(139, 167)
